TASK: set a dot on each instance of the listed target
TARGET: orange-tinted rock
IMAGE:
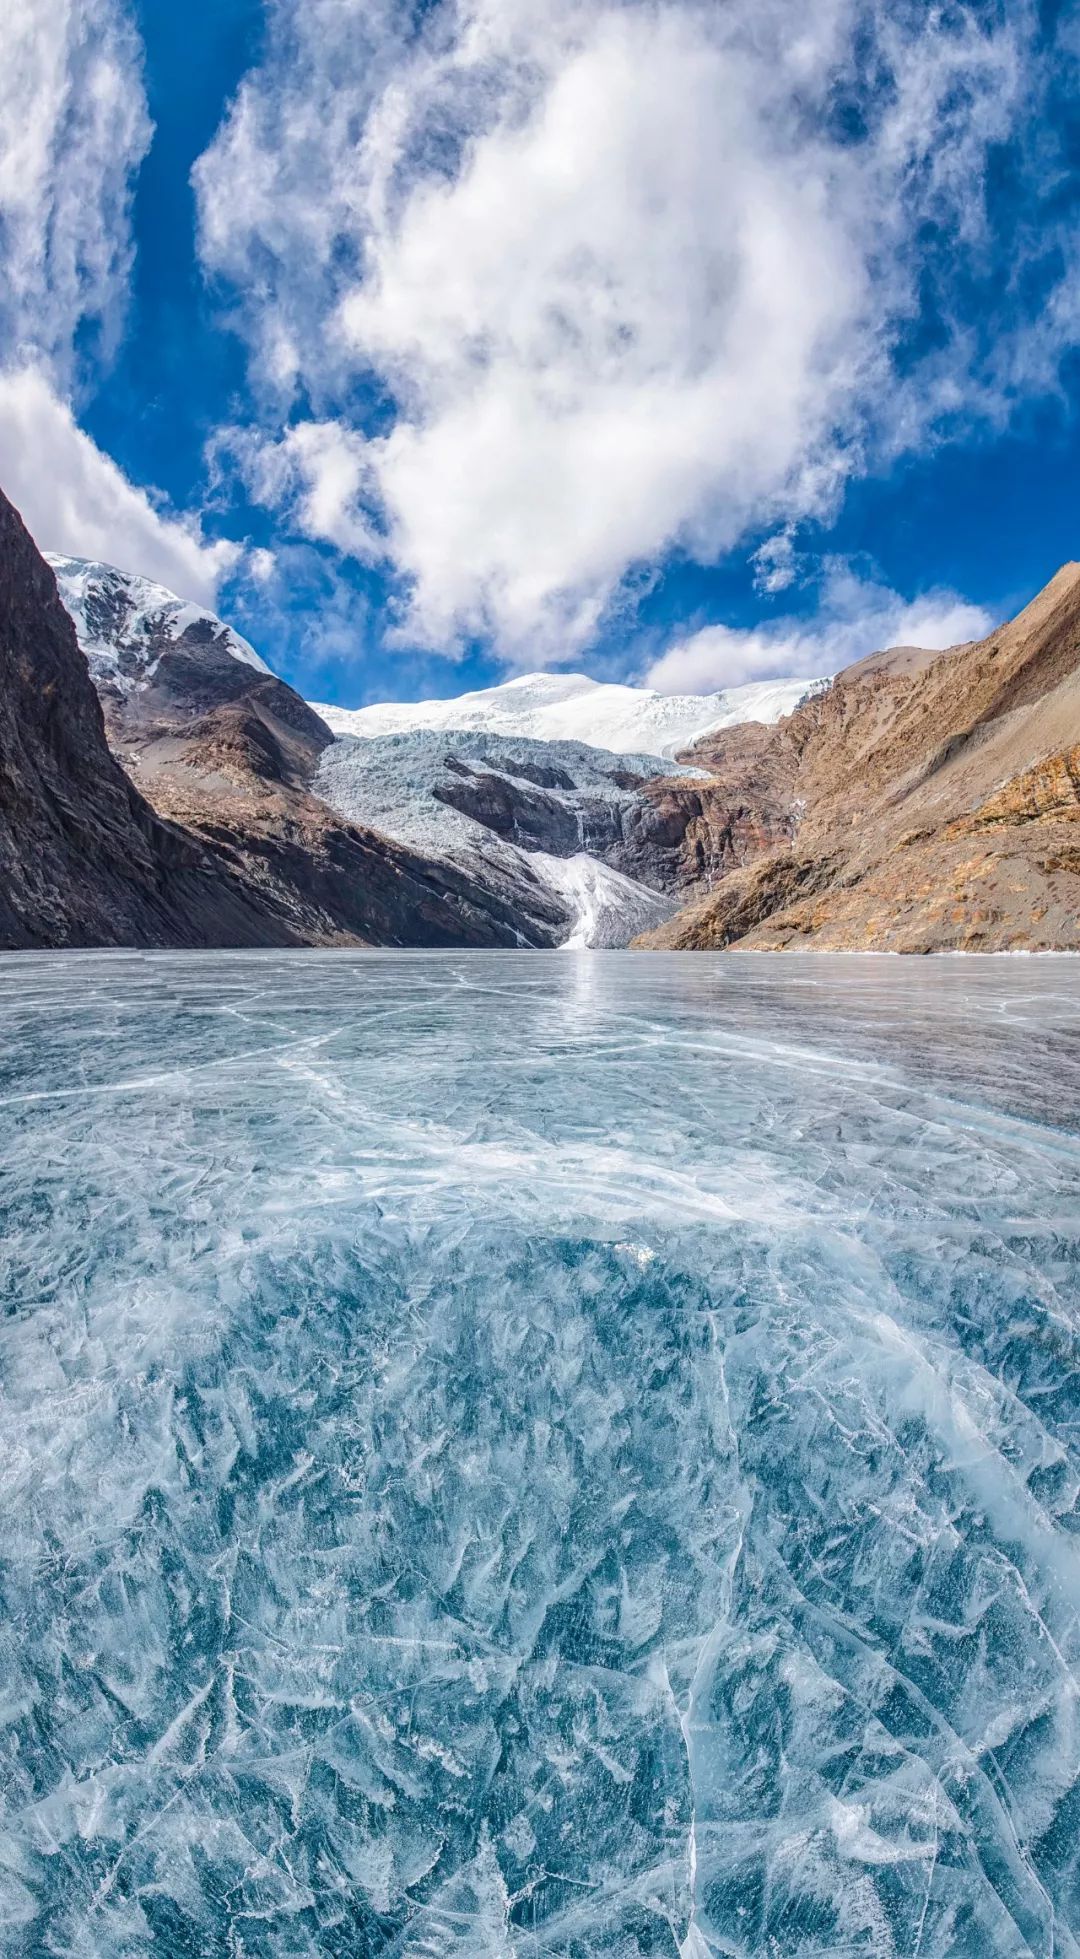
(932, 802)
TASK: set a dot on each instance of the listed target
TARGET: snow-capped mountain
(125, 623)
(571, 707)
(545, 812)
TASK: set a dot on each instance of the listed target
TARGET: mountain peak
(623, 719)
(125, 622)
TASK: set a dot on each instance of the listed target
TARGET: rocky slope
(925, 802)
(84, 860)
(220, 841)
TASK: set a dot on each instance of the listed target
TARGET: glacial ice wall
(510, 1456)
(573, 802)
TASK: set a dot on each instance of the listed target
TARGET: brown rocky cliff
(227, 752)
(931, 801)
(83, 858)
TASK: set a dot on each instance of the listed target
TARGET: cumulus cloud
(856, 616)
(571, 287)
(75, 500)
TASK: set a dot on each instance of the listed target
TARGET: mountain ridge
(576, 846)
(620, 719)
(124, 622)
(933, 807)
(919, 801)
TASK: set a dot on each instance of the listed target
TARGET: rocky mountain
(571, 707)
(417, 838)
(209, 833)
(925, 802)
(84, 859)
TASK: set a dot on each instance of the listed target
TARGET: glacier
(582, 798)
(521, 1455)
(571, 707)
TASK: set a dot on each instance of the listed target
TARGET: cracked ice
(510, 1456)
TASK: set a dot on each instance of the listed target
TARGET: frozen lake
(508, 1455)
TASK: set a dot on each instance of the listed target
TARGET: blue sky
(678, 342)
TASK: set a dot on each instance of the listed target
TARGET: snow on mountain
(571, 707)
(606, 907)
(526, 819)
(125, 623)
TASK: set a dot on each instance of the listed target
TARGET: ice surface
(572, 707)
(514, 1455)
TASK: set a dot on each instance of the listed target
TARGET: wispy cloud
(74, 129)
(562, 289)
(856, 615)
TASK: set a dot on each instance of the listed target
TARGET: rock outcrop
(84, 860)
(208, 835)
(924, 802)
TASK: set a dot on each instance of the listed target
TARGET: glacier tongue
(520, 1456)
(607, 909)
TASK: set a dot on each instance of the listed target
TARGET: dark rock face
(217, 841)
(671, 833)
(83, 858)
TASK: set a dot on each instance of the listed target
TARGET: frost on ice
(520, 1456)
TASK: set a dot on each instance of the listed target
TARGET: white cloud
(75, 500)
(622, 275)
(328, 470)
(73, 130)
(855, 617)
(776, 563)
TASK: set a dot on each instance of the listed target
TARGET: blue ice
(512, 1455)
